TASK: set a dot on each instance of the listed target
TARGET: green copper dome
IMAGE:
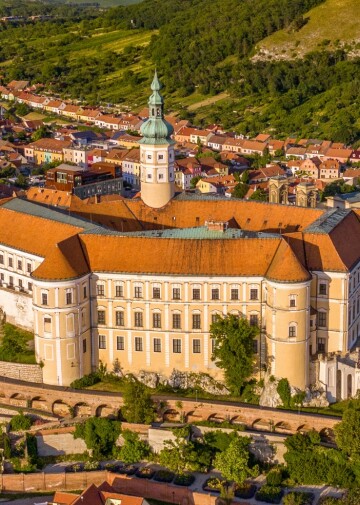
(156, 130)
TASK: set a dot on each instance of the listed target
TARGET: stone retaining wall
(20, 371)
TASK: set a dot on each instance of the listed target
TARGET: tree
(182, 455)
(134, 449)
(99, 434)
(234, 349)
(42, 132)
(347, 433)
(240, 190)
(245, 177)
(283, 388)
(194, 181)
(138, 405)
(259, 195)
(234, 462)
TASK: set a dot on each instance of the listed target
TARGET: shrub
(86, 381)
(145, 473)
(185, 479)
(20, 422)
(246, 491)
(6, 446)
(274, 477)
(164, 476)
(134, 449)
(91, 465)
(330, 500)
(213, 484)
(127, 469)
(269, 494)
(298, 498)
(283, 388)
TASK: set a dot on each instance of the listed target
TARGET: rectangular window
(293, 302)
(253, 294)
(213, 345)
(47, 324)
(196, 321)
(254, 320)
(120, 343)
(234, 294)
(157, 344)
(101, 316)
(176, 293)
(322, 289)
(196, 294)
(44, 299)
(21, 284)
(100, 290)
(138, 344)
(138, 319)
(2, 259)
(119, 291)
(196, 346)
(85, 292)
(19, 264)
(68, 297)
(11, 281)
(176, 321)
(30, 286)
(255, 346)
(215, 294)
(292, 331)
(138, 292)
(84, 345)
(214, 318)
(10, 262)
(156, 320)
(321, 345)
(28, 268)
(322, 319)
(176, 345)
(156, 293)
(102, 342)
(119, 317)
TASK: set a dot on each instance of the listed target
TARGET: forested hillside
(201, 48)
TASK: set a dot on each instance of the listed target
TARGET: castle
(141, 281)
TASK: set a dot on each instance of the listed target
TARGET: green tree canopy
(138, 405)
(233, 463)
(99, 434)
(234, 349)
(240, 190)
(347, 433)
(259, 195)
(134, 449)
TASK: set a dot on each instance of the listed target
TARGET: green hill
(332, 25)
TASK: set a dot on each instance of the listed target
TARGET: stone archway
(171, 416)
(261, 425)
(82, 409)
(105, 411)
(61, 409)
(39, 403)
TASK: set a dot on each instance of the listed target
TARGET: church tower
(157, 154)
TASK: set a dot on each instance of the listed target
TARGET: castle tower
(306, 194)
(278, 189)
(157, 153)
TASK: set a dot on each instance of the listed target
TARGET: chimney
(217, 225)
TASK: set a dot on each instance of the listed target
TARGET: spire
(156, 84)
(156, 128)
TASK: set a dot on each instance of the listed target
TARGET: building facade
(137, 283)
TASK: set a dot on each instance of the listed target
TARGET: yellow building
(46, 150)
(146, 297)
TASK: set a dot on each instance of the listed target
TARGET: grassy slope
(331, 21)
